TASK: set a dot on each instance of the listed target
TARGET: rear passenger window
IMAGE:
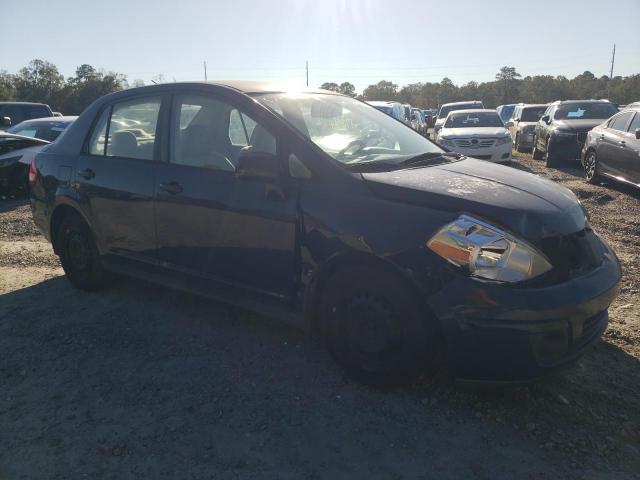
(132, 128)
(99, 135)
(635, 123)
(620, 122)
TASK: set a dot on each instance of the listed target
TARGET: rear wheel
(78, 254)
(537, 154)
(519, 149)
(591, 167)
(375, 328)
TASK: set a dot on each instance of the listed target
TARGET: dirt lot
(142, 382)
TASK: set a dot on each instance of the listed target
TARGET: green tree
(332, 86)
(347, 88)
(383, 90)
(39, 81)
(507, 76)
(7, 86)
(87, 86)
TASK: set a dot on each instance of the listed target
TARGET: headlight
(488, 252)
(503, 140)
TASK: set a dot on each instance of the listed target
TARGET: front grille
(482, 157)
(572, 254)
(582, 137)
(475, 142)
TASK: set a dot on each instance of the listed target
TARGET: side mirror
(256, 164)
(5, 121)
(546, 119)
(509, 124)
(637, 133)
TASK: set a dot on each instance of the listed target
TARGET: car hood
(473, 132)
(583, 125)
(521, 202)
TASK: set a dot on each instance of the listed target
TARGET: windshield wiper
(430, 158)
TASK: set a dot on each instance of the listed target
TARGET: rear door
(210, 222)
(612, 143)
(631, 159)
(115, 176)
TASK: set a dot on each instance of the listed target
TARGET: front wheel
(537, 154)
(78, 254)
(375, 328)
(551, 160)
(591, 167)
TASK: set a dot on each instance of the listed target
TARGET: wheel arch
(61, 211)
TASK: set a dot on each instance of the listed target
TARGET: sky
(360, 41)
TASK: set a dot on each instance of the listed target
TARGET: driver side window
(210, 133)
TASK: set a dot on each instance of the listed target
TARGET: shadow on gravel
(143, 382)
(8, 204)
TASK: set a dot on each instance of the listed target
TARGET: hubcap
(371, 325)
(78, 250)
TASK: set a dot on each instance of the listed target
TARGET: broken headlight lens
(487, 251)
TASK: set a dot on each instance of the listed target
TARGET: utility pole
(307, 73)
(205, 70)
(613, 59)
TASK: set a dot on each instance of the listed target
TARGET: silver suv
(522, 125)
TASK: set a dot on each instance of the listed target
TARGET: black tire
(550, 160)
(537, 154)
(591, 167)
(519, 149)
(78, 254)
(375, 328)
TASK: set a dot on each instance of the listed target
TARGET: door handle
(87, 173)
(172, 188)
(623, 143)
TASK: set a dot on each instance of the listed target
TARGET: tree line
(40, 81)
(510, 87)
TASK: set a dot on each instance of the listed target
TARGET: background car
(612, 149)
(506, 111)
(17, 112)
(393, 109)
(47, 128)
(522, 124)
(450, 107)
(417, 121)
(407, 114)
(561, 132)
(16, 153)
(476, 133)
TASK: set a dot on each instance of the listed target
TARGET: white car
(477, 133)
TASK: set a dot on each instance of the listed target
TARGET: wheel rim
(590, 166)
(371, 326)
(78, 250)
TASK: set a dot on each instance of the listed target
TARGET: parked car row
(413, 117)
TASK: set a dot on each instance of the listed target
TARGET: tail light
(33, 173)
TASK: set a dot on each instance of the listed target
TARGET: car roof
(460, 103)
(244, 86)
(381, 103)
(590, 100)
(473, 110)
(63, 119)
(24, 103)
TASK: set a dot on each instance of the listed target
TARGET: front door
(115, 177)
(611, 148)
(212, 223)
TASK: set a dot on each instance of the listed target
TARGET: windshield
(348, 130)
(587, 110)
(444, 111)
(532, 114)
(44, 130)
(506, 112)
(387, 110)
(473, 120)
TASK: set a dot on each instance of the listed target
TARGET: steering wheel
(351, 145)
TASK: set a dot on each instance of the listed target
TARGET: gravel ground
(142, 382)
